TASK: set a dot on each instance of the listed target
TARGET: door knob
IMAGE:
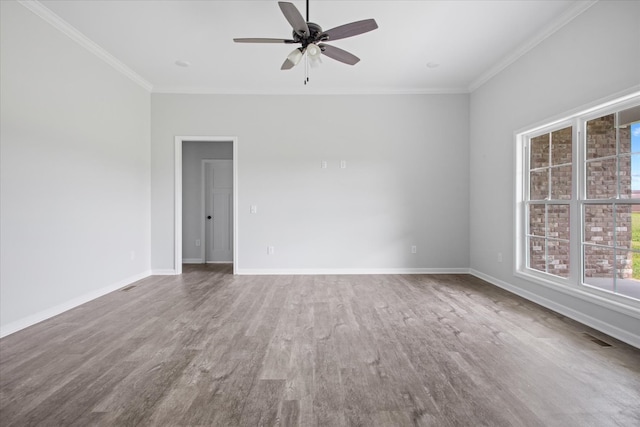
(209, 217)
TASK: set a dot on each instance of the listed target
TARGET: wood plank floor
(209, 348)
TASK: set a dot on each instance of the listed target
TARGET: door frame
(177, 228)
(203, 208)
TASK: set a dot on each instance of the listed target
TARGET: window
(578, 201)
(550, 189)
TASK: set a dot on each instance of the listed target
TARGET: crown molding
(306, 91)
(554, 26)
(63, 26)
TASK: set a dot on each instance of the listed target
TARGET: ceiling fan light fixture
(295, 56)
(313, 51)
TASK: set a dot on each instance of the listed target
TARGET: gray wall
(594, 56)
(192, 155)
(406, 181)
(74, 159)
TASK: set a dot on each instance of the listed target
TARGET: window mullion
(576, 232)
(615, 204)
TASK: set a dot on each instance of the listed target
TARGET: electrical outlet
(499, 256)
(198, 242)
(414, 249)
(132, 255)
(323, 164)
(271, 250)
(254, 209)
(343, 164)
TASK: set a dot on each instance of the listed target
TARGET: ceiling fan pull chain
(306, 68)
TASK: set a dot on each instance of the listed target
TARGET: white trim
(164, 272)
(307, 90)
(177, 226)
(68, 305)
(177, 207)
(347, 271)
(236, 211)
(517, 222)
(192, 260)
(602, 326)
(64, 27)
(521, 50)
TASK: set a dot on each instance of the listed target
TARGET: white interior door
(218, 187)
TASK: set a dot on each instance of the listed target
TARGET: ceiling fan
(313, 39)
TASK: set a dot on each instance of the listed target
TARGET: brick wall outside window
(606, 179)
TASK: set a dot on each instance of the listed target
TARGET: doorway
(208, 242)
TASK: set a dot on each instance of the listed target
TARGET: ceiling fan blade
(294, 17)
(262, 40)
(287, 65)
(339, 54)
(352, 29)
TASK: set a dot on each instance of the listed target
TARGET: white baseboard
(199, 261)
(621, 334)
(347, 271)
(60, 308)
(163, 272)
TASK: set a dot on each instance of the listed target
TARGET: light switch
(343, 164)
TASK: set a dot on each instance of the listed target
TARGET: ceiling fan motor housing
(315, 35)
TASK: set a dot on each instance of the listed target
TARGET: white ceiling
(469, 40)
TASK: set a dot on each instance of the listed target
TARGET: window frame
(573, 284)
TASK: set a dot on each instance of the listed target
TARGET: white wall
(406, 181)
(594, 56)
(192, 155)
(74, 172)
